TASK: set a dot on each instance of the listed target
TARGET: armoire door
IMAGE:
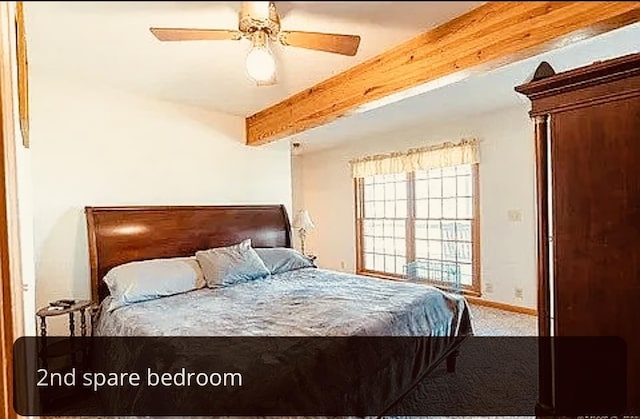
(595, 175)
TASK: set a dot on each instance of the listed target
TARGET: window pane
(379, 263)
(435, 249)
(421, 229)
(368, 192)
(451, 273)
(435, 188)
(388, 178)
(379, 209)
(464, 186)
(466, 274)
(422, 189)
(464, 208)
(434, 230)
(422, 209)
(368, 244)
(464, 169)
(378, 190)
(448, 230)
(368, 210)
(389, 246)
(400, 262)
(379, 245)
(368, 180)
(422, 250)
(378, 179)
(421, 174)
(367, 226)
(449, 251)
(449, 208)
(389, 264)
(388, 228)
(435, 270)
(464, 252)
(390, 209)
(400, 177)
(399, 229)
(449, 186)
(368, 261)
(400, 247)
(390, 191)
(435, 208)
(401, 209)
(401, 190)
(463, 230)
(377, 228)
(435, 173)
(449, 171)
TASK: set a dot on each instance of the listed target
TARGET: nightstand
(62, 354)
(80, 306)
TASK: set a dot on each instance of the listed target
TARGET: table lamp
(303, 224)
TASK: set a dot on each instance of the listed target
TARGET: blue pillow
(229, 265)
(283, 259)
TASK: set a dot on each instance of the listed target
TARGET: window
(422, 223)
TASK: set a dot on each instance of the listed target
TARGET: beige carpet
(492, 322)
(451, 389)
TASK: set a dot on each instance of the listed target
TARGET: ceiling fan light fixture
(259, 22)
(261, 65)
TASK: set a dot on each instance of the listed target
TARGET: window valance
(424, 158)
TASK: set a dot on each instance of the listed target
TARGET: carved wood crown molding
(595, 74)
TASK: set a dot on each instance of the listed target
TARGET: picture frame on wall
(23, 74)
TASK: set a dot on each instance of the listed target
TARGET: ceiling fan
(260, 23)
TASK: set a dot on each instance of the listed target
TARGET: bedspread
(305, 302)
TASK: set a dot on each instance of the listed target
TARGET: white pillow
(151, 279)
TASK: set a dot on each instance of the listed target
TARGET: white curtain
(424, 158)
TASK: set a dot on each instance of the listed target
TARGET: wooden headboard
(119, 235)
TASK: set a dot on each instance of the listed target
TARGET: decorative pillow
(150, 279)
(283, 259)
(229, 265)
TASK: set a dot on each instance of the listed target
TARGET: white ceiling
(475, 95)
(110, 42)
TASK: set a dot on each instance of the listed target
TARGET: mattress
(305, 302)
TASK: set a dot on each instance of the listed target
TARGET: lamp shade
(303, 221)
(261, 66)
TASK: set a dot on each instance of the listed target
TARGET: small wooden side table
(62, 354)
(80, 306)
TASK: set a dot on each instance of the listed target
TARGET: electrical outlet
(488, 287)
(519, 293)
(514, 215)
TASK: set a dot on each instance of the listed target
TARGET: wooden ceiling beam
(492, 35)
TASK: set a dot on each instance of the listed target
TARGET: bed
(304, 303)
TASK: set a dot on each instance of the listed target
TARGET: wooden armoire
(587, 142)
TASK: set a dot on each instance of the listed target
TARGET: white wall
(297, 187)
(96, 145)
(507, 182)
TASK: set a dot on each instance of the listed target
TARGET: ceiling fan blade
(329, 42)
(184, 34)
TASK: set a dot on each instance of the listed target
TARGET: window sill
(465, 291)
